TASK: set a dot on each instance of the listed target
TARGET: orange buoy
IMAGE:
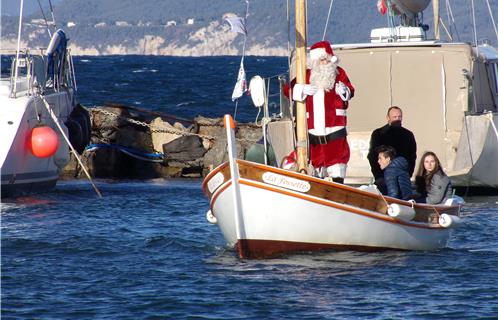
(43, 142)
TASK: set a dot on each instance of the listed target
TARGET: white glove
(301, 91)
(309, 89)
(343, 91)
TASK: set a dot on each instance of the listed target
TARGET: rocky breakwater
(129, 143)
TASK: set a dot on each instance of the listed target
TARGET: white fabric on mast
(237, 24)
(241, 85)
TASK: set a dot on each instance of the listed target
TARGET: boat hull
(22, 172)
(29, 185)
(275, 219)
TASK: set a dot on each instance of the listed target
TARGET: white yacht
(39, 113)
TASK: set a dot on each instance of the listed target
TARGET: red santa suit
(326, 116)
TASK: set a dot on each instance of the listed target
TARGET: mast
(435, 8)
(302, 134)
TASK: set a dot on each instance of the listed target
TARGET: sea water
(146, 251)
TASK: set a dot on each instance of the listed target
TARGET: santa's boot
(338, 180)
(337, 172)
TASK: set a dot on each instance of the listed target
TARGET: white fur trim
(337, 170)
(328, 130)
(334, 59)
(318, 53)
(341, 112)
(319, 112)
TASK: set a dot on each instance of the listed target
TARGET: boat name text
(215, 182)
(286, 182)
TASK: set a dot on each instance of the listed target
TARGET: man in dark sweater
(394, 135)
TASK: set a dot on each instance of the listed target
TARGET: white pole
(234, 172)
(14, 90)
(475, 27)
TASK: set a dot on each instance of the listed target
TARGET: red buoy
(43, 142)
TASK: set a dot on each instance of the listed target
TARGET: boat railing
(32, 76)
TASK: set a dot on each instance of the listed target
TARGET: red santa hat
(322, 49)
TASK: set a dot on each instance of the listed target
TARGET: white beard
(323, 75)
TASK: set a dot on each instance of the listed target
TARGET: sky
(11, 7)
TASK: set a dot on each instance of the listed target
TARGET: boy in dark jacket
(395, 173)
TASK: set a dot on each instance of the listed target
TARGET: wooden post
(435, 8)
(302, 132)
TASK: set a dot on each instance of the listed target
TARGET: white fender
(54, 42)
(211, 218)
(258, 91)
(400, 212)
(449, 221)
(369, 188)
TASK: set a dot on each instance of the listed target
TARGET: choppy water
(145, 251)
(180, 86)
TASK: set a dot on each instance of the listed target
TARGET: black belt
(330, 137)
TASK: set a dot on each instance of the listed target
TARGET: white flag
(237, 24)
(241, 85)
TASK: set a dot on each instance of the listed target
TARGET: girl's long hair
(424, 174)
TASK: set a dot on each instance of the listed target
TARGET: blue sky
(11, 7)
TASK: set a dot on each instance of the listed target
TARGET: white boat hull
(264, 211)
(276, 220)
(284, 218)
(22, 172)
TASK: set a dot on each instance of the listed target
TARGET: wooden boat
(265, 211)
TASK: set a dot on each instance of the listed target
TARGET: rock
(160, 133)
(184, 148)
(184, 155)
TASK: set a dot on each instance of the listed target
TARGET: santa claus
(327, 92)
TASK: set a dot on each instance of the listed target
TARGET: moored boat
(265, 211)
(448, 91)
(40, 117)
